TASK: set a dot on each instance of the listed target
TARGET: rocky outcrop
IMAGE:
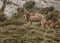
(10, 6)
(10, 10)
(1, 4)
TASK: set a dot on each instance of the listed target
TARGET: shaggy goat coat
(34, 18)
(48, 24)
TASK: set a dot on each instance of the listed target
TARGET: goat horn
(26, 10)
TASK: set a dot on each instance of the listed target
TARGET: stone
(1, 4)
(10, 10)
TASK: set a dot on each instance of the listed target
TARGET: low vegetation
(18, 30)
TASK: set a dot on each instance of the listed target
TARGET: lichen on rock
(10, 10)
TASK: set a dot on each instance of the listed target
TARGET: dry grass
(18, 30)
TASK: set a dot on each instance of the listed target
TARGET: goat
(34, 17)
(48, 24)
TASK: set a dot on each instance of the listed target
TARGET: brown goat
(34, 17)
(48, 24)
